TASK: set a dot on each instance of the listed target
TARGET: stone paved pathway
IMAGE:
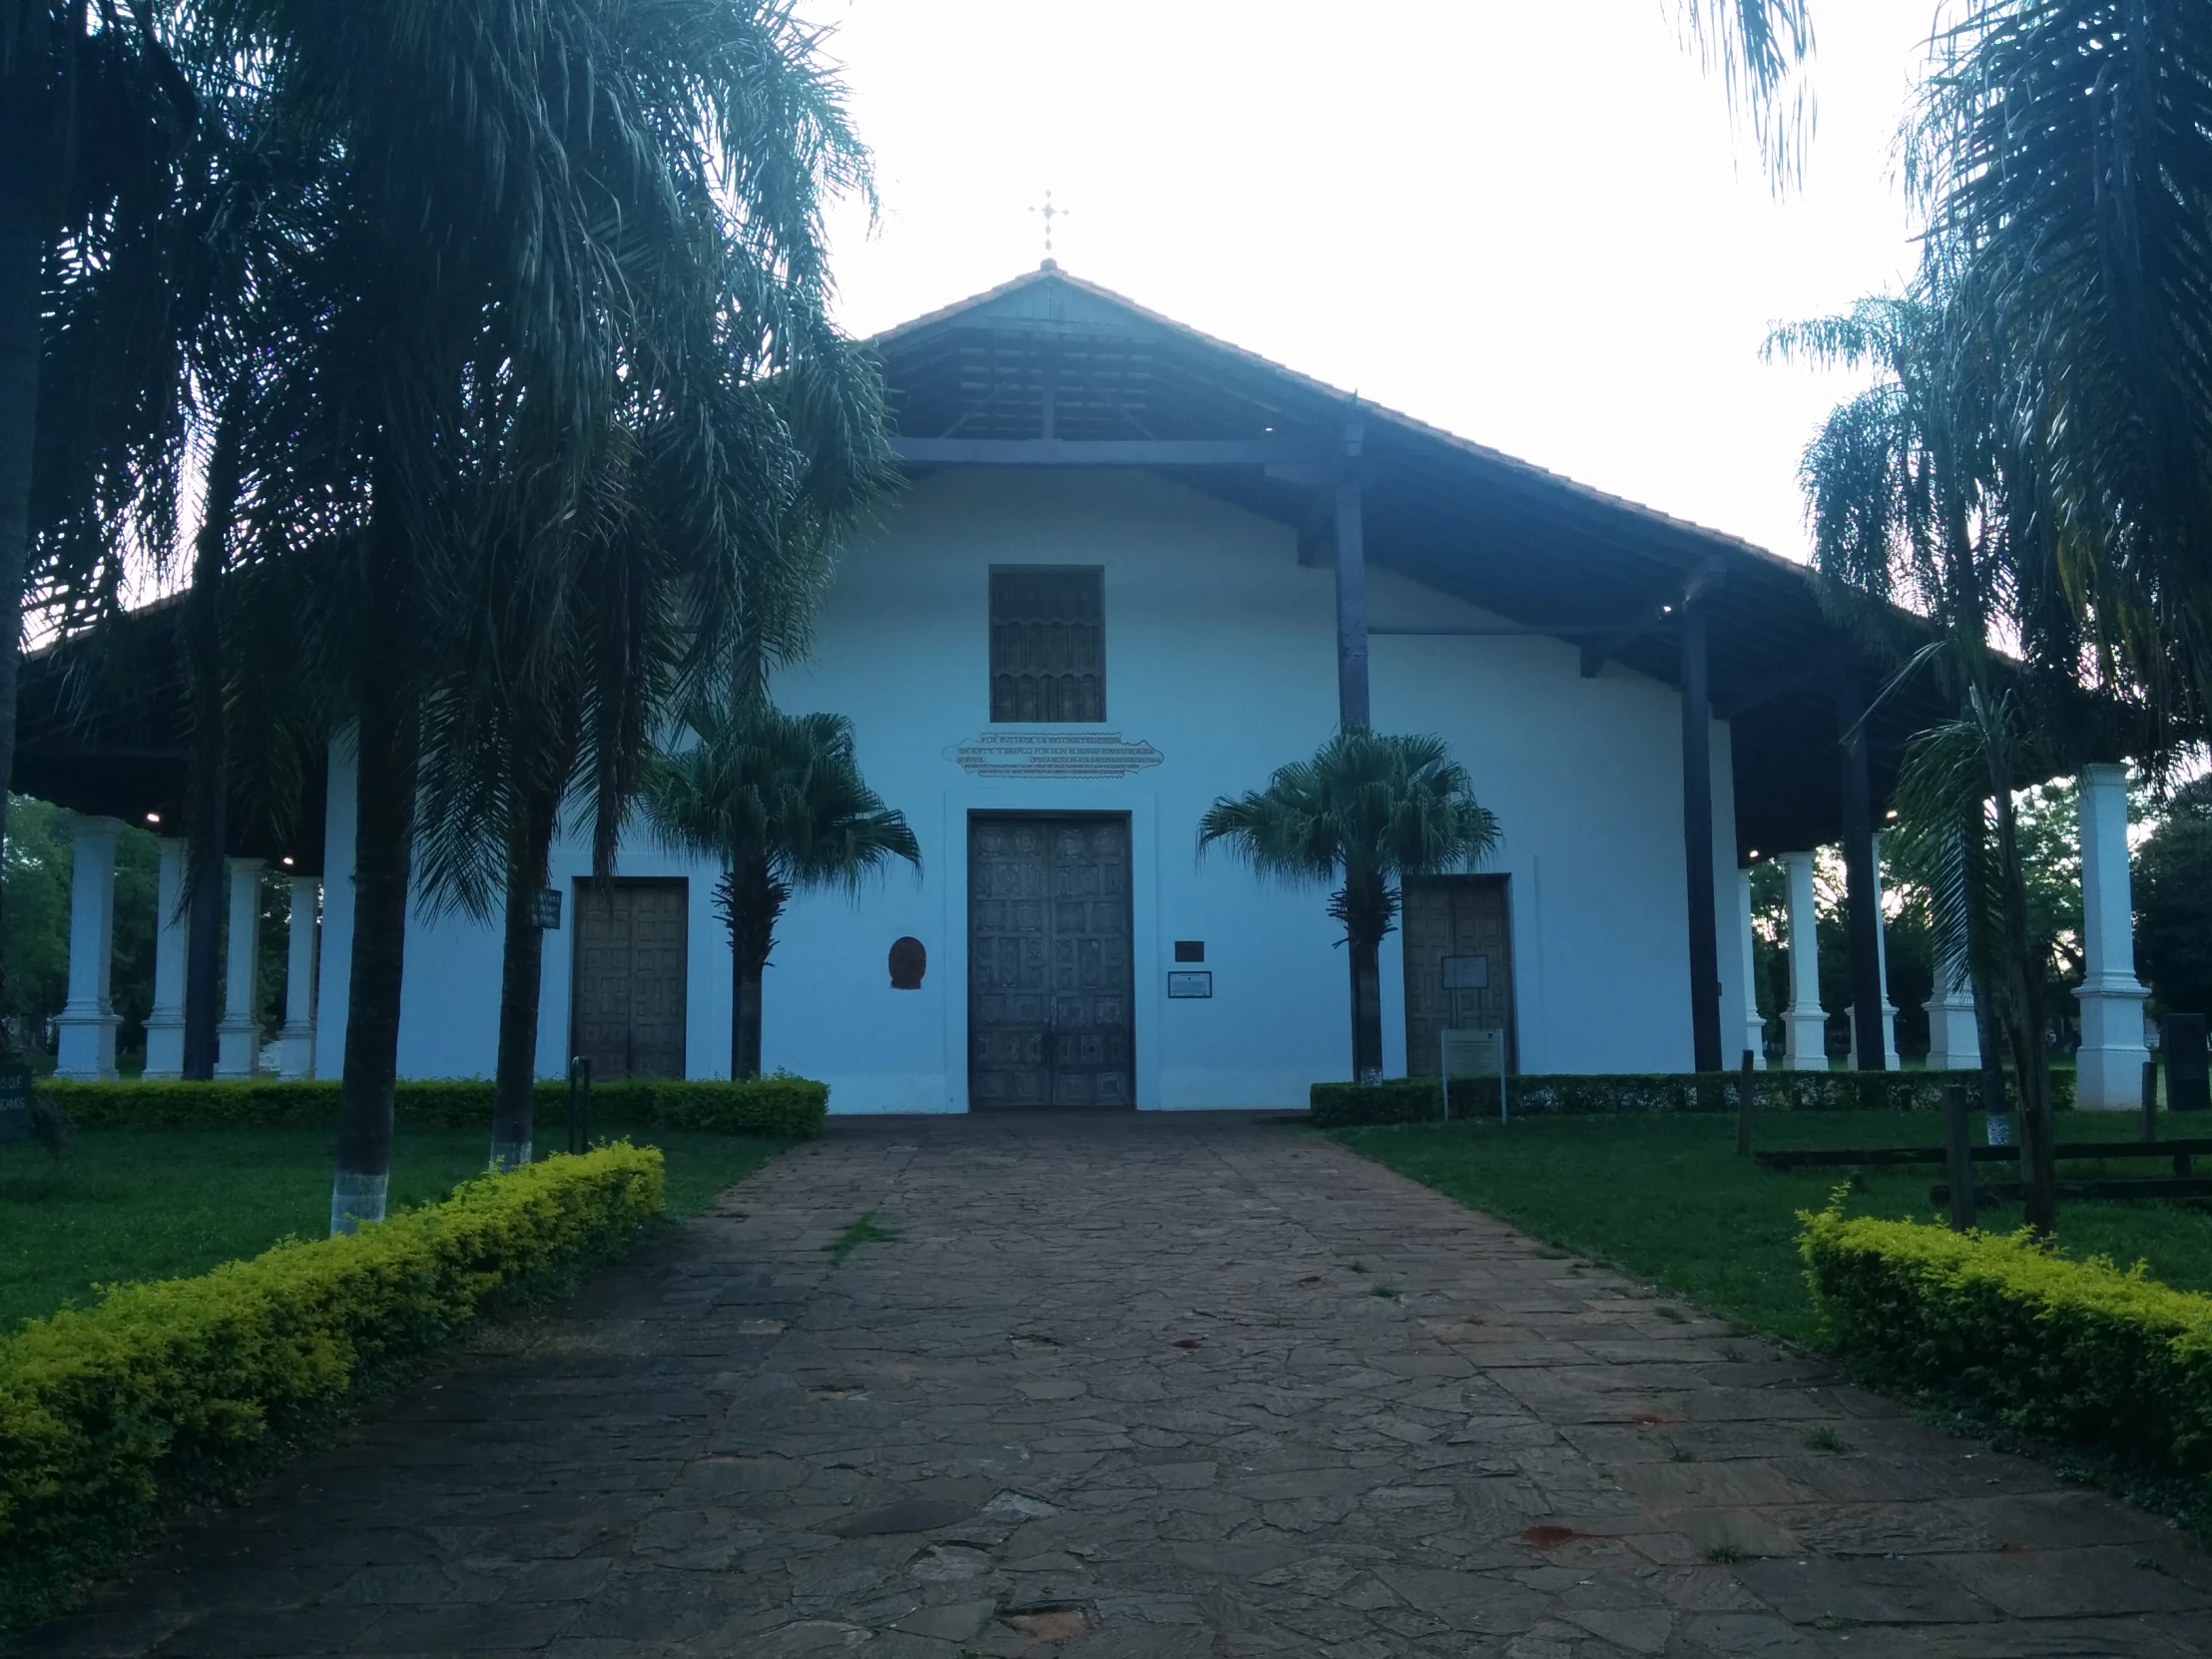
(1144, 1388)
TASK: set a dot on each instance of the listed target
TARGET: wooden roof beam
(1273, 452)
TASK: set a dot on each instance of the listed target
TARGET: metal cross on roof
(1048, 213)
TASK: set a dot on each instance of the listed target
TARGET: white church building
(1132, 569)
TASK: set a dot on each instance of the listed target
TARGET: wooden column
(1352, 591)
(1863, 902)
(1697, 842)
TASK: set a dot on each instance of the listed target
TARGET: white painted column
(238, 1037)
(2112, 1053)
(1953, 1035)
(1755, 1030)
(88, 1021)
(1805, 1026)
(165, 1023)
(1882, 966)
(296, 1058)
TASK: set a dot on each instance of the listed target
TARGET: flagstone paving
(1144, 1387)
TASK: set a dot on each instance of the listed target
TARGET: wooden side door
(631, 979)
(1458, 964)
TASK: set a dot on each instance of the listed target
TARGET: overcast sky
(1531, 224)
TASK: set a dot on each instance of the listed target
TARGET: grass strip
(1668, 1199)
(142, 1204)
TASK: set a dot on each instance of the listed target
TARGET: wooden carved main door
(1458, 964)
(1049, 963)
(631, 983)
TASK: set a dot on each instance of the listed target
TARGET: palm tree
(697, 565)
(777, 800)
(2061, 153)
(1368, 811)
(92, 112)
(1760, 49)
(531, 225)
(748, 430)
(1913, 489)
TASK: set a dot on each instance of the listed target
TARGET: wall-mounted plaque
(1188, 984)
(1467, 974)
(1023, 754)
(1190, 950)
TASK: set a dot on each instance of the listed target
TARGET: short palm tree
(779, 802)
(1368, 811)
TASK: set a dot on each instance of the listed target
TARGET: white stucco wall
(1220, 653)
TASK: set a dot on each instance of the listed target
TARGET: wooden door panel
(1456, 930)
(632, 977)
(1050, 993)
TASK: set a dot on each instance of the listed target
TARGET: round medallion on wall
(910, 961)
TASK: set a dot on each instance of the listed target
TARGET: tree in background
(1368, 811)
(778, 801)
(2174, 903)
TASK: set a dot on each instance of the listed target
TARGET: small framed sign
(545, 909)
(1188, 985)
(15, 1101)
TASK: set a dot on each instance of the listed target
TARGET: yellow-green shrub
(184, 1387)
(2076, 1350)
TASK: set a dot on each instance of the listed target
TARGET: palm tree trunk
(1990, 1035)
(206, 809)
(1365, 908)
(22, 251)
(521, 974)
(383, 850)
(744, 1013)
(753, 901)
(1366, 1008)
(2024, 1022)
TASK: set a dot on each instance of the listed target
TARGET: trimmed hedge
(2074, 1351)
(186, 1387)
(794, 1106)
(1419, 1100)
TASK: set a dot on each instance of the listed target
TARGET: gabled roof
(1513, 538)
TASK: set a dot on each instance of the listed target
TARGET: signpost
(15, 1102)
(2182, 1041)
(1471, 1054)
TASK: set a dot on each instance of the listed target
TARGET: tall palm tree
(534, 210)
(156, 339)
(92, 112)
(777, 800)
(1368, 811)
(1914, 490)
(2062, 152)
(748, 432)
(697, 565)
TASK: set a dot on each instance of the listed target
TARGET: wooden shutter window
(1048, 645)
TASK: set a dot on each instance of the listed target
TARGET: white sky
(1531, 224)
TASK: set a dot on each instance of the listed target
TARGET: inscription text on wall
(1030, 754)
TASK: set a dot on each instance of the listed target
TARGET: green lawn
(1666, 1196)
(159, 1204)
